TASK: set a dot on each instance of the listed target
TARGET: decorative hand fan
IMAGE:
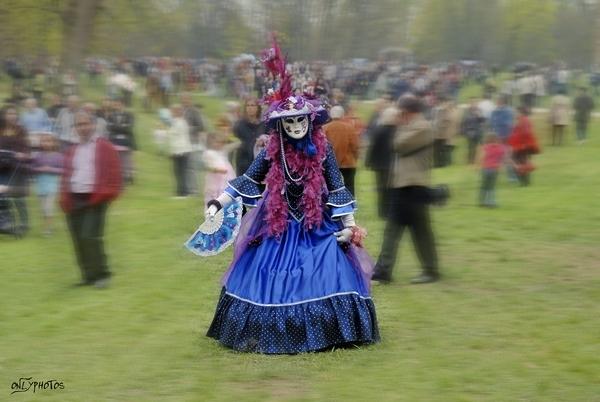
(214, 236)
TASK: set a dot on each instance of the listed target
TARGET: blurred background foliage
(433, 30)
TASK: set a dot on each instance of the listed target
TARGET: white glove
(344, 235)
(211, 212)
(348, 220)
(224, 199)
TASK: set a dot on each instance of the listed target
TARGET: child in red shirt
(491, 161)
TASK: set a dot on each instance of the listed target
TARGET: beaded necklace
(284, 162)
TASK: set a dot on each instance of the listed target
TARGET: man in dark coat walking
(409, 194)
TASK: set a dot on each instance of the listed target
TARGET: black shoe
(425, 278)
(381, 279)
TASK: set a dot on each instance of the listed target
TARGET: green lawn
(515, 318)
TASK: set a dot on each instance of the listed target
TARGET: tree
(78, 21)
(574, 45)
(36, 26)
(527, 29)
(28, 27)
(497, 31)
(506, 31)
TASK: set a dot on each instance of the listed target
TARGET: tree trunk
(78, 25)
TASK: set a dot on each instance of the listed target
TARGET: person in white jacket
(560, 113)
(180, 148)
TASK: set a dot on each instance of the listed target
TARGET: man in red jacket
(91, 180)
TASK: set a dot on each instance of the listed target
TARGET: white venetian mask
(296, 127)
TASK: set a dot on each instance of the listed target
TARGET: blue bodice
(250, 187)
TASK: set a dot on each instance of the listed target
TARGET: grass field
(515, 318)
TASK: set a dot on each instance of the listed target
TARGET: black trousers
(383, 201)
(408, 208)
(473, 143)
(348, 174)
(86, 224)
(180, 165)
(448, 149)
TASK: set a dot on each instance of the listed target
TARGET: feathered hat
(283, 103)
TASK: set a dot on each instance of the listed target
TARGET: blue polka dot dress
(300, 293)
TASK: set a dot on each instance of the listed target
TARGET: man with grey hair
(99, 123)
(91, 180)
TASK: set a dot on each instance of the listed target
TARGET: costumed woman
(299, 280)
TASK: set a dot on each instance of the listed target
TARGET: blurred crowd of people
(244, 75)
(35, 139)
(39, 136)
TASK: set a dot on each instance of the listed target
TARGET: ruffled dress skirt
(300, 293)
